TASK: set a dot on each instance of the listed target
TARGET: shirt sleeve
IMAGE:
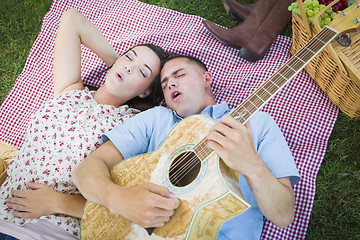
(272, 147)
(133, 137)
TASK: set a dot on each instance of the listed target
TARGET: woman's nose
(127, 69)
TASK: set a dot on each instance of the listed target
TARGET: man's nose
(172, 83)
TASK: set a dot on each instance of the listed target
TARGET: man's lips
(175, 95)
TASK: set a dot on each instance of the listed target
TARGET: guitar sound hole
(184, 169)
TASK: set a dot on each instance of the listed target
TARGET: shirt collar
(213, 111)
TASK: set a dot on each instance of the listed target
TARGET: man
(259, 153)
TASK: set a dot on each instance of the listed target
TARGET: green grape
(312, 9)
(324, 15)
(327, 21)
(315, 3)
(316, 11)
(307, 2)
(311, 19)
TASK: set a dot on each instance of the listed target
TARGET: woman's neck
(102, 96)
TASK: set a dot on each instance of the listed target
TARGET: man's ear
(145, 94)
(208, 79)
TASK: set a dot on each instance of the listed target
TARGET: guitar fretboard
(275, 83)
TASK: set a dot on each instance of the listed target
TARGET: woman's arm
(43, 200)
(74, 30)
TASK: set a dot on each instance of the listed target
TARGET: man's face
(184, 83)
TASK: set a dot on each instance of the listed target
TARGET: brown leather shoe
(268, 31)
(241, 35)
(259, 30)
(237, 10)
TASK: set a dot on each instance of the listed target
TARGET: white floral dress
(60, 134)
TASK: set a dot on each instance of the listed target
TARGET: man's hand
(234, 144)
(148, 205)
(40, 201)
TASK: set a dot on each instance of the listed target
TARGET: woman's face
(133, 72)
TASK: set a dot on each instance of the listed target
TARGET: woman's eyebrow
(134, 52)
(147, 66)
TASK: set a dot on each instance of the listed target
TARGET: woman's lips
(119, 77)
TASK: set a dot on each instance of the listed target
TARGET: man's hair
(190, 59)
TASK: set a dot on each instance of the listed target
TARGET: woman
(38, 197)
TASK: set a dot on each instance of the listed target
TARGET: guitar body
(209, 194)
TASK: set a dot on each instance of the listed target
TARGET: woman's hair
(156, 96)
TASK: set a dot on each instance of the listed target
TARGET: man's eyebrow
(172, 74)
(134, 52)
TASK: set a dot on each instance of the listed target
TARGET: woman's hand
(40, 201)
(43, 200)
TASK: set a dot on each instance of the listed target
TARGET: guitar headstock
(347, 20)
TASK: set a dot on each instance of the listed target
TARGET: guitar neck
(275, 83)
(278, 80)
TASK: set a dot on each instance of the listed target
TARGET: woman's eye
(128, 57)
(143, 74)
(164, 86)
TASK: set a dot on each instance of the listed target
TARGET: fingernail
(172, 195)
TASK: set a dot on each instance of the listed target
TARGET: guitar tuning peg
(343, 13)
(357, 20)
(357, 4)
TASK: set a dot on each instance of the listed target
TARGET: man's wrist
(110, 195)
(256, 169)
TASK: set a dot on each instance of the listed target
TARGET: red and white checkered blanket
(305, 115)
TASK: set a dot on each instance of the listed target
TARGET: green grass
(336, 213)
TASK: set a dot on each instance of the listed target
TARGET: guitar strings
(189, 165)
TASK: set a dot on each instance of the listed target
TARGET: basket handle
(304, 16)
(329, 47)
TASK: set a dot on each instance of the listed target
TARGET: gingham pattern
(305, 115)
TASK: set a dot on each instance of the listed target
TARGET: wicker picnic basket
(336, 69)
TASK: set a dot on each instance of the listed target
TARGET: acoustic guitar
(208, 190)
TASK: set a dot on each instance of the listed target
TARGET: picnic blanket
(303, 112)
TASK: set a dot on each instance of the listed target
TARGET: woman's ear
(145, 94)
